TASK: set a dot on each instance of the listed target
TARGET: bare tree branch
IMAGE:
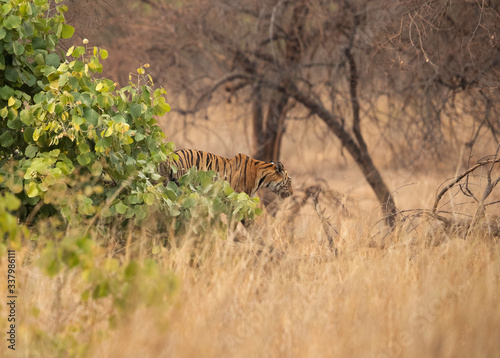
(458, 178)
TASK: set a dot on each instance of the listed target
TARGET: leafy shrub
(63, 127)
(74, 144)
(127, 284)
(100, 293)
(9, 227)
(200, 199)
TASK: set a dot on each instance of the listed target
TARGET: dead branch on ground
(470, 222)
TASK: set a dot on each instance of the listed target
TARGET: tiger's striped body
(243, 173)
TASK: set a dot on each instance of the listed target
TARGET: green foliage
(62, 128)
(9, 227)
(74, 149)
(200, 199)
(110, 291)
(127, 284)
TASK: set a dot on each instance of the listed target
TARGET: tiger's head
(279, 181)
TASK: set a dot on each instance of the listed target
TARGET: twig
(458, 179)
(325, 224)
(33, 212)
(271, 29)
(123, 185)
(491, 185)
(228, 78)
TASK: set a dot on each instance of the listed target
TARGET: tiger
(243, 173)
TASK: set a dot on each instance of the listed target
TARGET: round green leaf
(4, 112)
(79, 50)
(84, 159)
(139, 212)
(26, 10)
(32, 190)
(11, 73)
(228, 190)
(132, 199)
(6, 92)
(51, 107)
(78, 120)
(5, 9)
(53, 60)
(121, 208)
(14, 124)
(67, 31)
(149, 198)
(27, 30)
(31, 151)
(84, 148)
(135, 110)
(12, 22)
(18, 48)
(27, 78)
(6, 140)
(11, 202)
(91, 116)
(103, 53)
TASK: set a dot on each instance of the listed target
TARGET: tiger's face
(280, 182)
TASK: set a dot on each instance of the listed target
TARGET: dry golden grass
(410, 299)
(283, 292)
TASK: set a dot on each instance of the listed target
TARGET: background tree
(449, 70)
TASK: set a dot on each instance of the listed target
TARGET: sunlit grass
(409, 299)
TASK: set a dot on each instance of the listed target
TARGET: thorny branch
(491, 185)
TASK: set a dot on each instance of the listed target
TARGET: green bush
(9, 227)
(72, 143)
(126, 284)
(200, 199)
(62, 127)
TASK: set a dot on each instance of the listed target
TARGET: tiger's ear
(279, 167)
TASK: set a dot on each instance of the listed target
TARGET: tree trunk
(269, 131)
(268, 136)
(359, 153)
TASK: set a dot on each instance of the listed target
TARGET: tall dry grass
(412, 298)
